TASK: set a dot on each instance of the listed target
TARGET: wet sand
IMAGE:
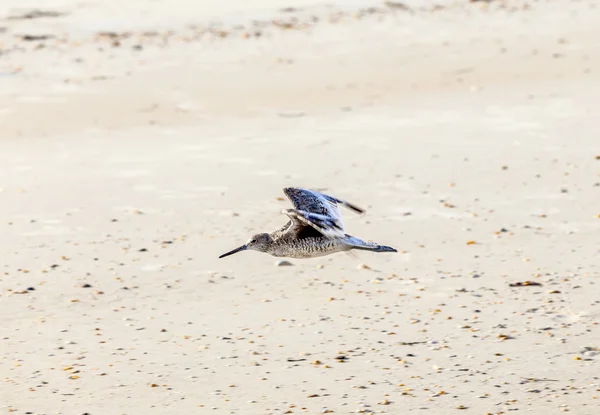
(135, 151)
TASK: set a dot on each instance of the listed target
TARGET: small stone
(283, 263)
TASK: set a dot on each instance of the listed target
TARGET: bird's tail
(357, 243)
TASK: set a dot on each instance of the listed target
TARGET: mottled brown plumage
(315, 229)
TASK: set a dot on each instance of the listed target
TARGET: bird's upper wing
(319, 209)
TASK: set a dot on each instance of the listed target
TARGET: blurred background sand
(140, 140)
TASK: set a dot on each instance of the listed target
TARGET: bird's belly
(308, 248)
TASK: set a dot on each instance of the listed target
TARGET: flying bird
(315, 229)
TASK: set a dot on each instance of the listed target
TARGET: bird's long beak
(241, 248)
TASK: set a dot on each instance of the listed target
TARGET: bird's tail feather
(357, 243)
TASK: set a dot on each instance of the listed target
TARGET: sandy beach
(140, 140)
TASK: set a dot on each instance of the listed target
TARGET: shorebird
(315, 229)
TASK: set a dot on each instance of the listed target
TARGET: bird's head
(259, 242)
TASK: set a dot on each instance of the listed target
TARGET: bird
(314, 229)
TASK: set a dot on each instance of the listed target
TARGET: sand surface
(139, 140)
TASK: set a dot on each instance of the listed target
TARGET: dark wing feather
(308, 201)
(316, 202)
(308, 232)
(325, 225)
(319, 209)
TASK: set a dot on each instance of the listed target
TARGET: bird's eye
(253, 241)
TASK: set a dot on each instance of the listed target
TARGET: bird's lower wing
(328, 226)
